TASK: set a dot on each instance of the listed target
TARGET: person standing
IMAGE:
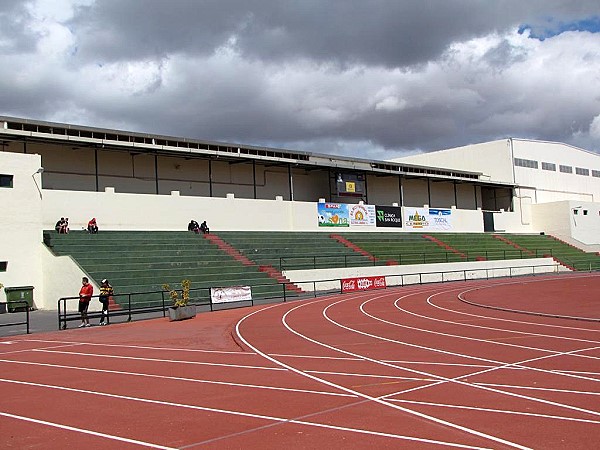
(85, 295)
(106, 293)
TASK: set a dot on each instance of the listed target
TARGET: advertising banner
(362, 215)
(388, 216)
(440, 219)
(432, 219)
(416, 219)
(362, 283)
(333, 215)
(230, 294)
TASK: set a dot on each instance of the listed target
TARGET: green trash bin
(19, 294)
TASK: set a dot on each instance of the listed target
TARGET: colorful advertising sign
(333, 215)
(362, 283)
(432, 219)
(416, 219)
(362, 215)
(388, 216)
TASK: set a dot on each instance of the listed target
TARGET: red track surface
(412, 367)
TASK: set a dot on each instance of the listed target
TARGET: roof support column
(401, 190)
(291, 182)
(96, 169)
(455, 195)
(254, 176)
(366, 191)
(429, 192)
(210, 189)
(156, 172)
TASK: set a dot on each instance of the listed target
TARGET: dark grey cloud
(385, 32)
(369, 77)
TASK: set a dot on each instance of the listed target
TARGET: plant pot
(182, 312)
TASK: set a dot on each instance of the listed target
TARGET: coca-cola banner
(362, 283)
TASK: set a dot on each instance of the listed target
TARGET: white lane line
(84, 431)
(436, 350)
(240, 413)
(167, 377)
(25, 350)
(360, 394)
(455, 380)
(461, 324)
(499, 411)
(191, 350)
(532, 388)
(429, 302)
(535, 313)
(175, 361)
(458, 379)
(521, 322)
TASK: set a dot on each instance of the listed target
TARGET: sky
(376, 79)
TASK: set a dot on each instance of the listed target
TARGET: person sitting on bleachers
(204, 228)
(92, 226)
(193, 226)
(59, 225)
(62, 226)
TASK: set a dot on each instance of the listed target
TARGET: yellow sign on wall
(350, 186)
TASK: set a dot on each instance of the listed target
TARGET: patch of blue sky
(553, 28)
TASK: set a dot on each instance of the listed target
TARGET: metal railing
(314, 261)
(136, 303)
(18, 304)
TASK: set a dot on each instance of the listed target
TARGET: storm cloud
(370, 78)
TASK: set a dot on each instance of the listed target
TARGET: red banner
(362, 283)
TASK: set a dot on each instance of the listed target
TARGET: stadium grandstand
(279, 216)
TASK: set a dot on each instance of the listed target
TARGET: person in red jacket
(85, 295)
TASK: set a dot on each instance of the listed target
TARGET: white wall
(492, 158)
(396, 275)
(553, 186)
(21, 224)
(576, 220)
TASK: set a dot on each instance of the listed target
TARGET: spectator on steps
(204, 228)
(62, 226)
(193, 226)
(92, 227)
(59, 225)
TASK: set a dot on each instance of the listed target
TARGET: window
(575, 212)
(581, 171)
(526, 163)
(549, 166)
(3, 265)
(6, 181)
(585, 211)
(596, 173)
(566, 169)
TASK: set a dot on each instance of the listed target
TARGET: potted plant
(181, 309)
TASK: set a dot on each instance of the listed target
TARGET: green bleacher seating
(137, 262)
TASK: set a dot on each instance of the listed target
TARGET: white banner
(433, 219)
(230, 294)
(362, 215)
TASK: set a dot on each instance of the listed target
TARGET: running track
(429, 366)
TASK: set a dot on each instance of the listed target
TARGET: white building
(557, 186)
